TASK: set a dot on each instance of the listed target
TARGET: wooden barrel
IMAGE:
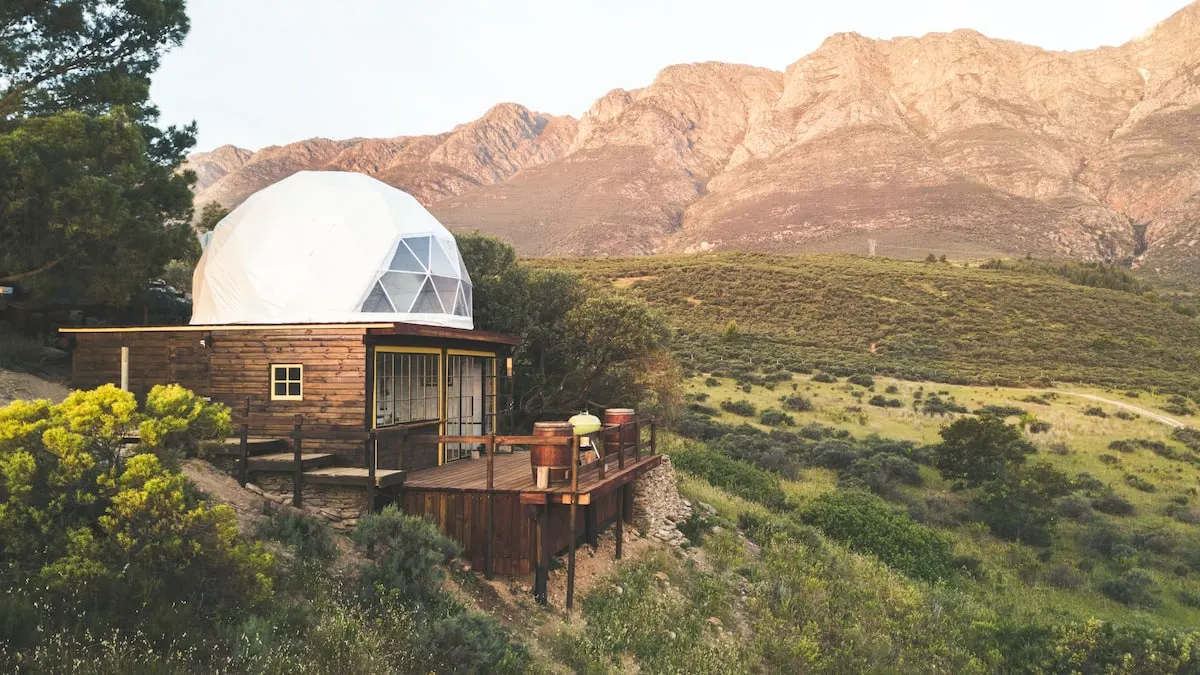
(555, 457)
(619, 416)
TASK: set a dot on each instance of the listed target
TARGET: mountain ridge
(949, 142)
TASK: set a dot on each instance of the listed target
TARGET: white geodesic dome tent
(331, 247)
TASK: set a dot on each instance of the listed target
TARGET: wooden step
(255, 445)
(353, 475)
(285, 461)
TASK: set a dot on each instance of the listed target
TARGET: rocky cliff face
(948, 143)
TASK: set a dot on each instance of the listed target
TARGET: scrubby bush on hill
(742, 408)
(867, 523)
(772, 417)
(734, 476)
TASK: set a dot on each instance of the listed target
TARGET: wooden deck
(513, 473)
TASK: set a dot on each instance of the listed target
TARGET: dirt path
(1158, 417)
(24, 386)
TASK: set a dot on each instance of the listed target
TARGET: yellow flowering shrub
(103, 527)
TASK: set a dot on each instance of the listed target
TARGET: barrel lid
(552, 425)
(619, 411)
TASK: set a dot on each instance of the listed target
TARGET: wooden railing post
(637, 441)
(491, 513)
(601, 454)
(653, 437)
(244, 446)
(297, 461)
(371, 451)
(621, 446)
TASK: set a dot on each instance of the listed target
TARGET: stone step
(285, 461)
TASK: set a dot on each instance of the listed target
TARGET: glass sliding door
(406, 388)
(470, 400)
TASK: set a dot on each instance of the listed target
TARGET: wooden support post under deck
(542, 570)
(627, 499)
(620, 525)
(297, 461)
(591, 529)
(653, 437)
(244, 447)
(574, 511)
(491, 509)
(371, 452)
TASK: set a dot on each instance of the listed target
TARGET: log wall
(236, 365)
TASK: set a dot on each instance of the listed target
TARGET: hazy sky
(263, 72)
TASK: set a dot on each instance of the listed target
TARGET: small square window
(287, 382)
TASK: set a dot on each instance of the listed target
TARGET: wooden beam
(571, 557)
(124, 368)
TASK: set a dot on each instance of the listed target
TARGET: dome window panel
(427, 300)
(440, 264)
(377, 301)
(420, 248)
(402, 288)
(447, 290)
(405, 260)
(462, 266)
(460, 305)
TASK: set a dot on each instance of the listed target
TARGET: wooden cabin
(333, 314)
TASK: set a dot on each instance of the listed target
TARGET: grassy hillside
(1128, 457)
(919, 321)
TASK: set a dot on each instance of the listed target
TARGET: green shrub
(866, 523)
(1001, 411)
(1094, 411)
(1038, 427)
(797, 403)
(861, 380)
(824, 377)
(309, 537)
(1020, 504)
(731, 475)
(934, 404)
(891, 389)
(468, 642)
(1112, 503)
(742, 408)
(409, 553)
(1135, 587)
(772, 417)
(712, 382)
(1138, 483)
(881, 401)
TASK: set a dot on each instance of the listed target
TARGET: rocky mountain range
(950, 143)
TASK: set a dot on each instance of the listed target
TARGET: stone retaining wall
(657, 506)
(342, 506)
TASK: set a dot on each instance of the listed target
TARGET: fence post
(297, 462)
(620, 521)
(491, 513)
(653, 437)
(244, 446)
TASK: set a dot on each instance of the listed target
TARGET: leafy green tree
(580, 346)
(979, 449)
(1020, 505)
(210, 215)
(90, 201)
